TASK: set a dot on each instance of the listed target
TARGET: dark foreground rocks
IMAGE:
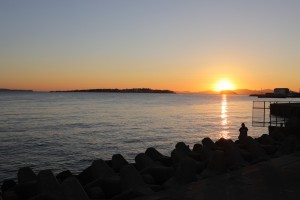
(186, 174)
(275, 179)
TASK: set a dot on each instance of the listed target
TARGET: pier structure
(275, 113)
(279, 93)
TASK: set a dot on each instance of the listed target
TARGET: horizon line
(177, 91)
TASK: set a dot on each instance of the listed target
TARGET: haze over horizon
(175, 45)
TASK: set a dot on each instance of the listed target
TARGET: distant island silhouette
(12, 90)
(132, 90)
(227, 92)
(237, 91)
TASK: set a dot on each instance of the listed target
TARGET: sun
(224, 85)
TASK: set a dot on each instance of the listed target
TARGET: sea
(67, 131)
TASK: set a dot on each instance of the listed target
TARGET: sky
(181, 45)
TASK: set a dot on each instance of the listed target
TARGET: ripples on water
(62, 131)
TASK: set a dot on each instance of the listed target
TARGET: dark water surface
(62, 131)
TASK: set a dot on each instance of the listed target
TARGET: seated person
(243, 132)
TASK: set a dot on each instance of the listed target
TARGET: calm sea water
(62, 131)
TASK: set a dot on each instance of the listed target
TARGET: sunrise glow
(224, 85)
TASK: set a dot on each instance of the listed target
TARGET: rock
(148, 178)
(49, 185)
(157, 156)
(96, 193)
(248, 157)
(153, 154)
(156, 188)
(186, 171)
(8, 184)
(266, 139)
(63, 175)
(133, 183)
(112, 186)
(73, 190)
(160, 174)
(165, 161)
(181, 151)
(233, 158)
(109, 163)
(98, 169)
(27, 190)
(126, 196)
(177, 156)
(270, 149)
(224, 143)
(207, 142)
(288, 145)
(216, 164)
(143, 161)
(96, 183)
(47, 181)
(118, 161)
(256, 151)
(205, 154)
(10, 195)
(147, 166)
(28, 183)
(197, 147)
(201, 166)
(25, 175)
(181, 146)
(232, 154)
(42, 196)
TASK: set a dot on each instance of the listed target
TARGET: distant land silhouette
(237, 91)
(12, 90)
(132, 90)
(148, 90)
(227, 92)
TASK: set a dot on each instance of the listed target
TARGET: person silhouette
(243, 132)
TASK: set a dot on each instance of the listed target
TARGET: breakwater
(132, 90)
(152, 172)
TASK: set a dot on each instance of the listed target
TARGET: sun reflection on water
(224, 118)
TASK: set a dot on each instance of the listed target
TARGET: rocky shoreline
(153, 175)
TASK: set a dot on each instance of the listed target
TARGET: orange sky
(181, 46)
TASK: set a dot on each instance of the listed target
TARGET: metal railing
(262, 115)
